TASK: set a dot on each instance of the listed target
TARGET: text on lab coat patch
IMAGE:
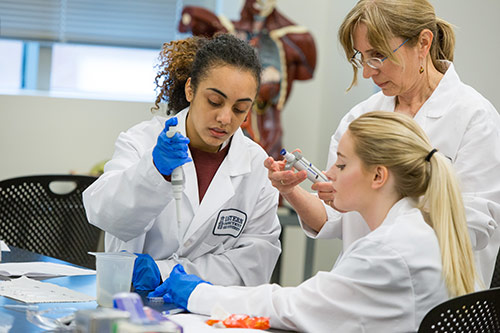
(230, 222)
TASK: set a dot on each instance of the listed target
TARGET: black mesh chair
(45, 214)
(475, 312)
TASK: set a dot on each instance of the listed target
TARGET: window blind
(129, 23)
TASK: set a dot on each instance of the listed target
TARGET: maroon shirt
(206, 165)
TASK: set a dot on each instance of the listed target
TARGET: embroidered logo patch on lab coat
(230, 222)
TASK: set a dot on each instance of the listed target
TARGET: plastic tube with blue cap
(297, 161)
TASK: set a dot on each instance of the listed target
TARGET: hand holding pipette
(297, 161)
(169, 154)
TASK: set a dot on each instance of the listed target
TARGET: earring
(421, 70)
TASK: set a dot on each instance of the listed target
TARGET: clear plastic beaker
(114, 275)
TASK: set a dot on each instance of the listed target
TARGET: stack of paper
(32, 291)
(40, 270)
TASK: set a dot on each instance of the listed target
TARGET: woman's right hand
(307, 205)
(170, 153)
(284, 180)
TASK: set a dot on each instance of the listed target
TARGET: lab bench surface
(15, 320)
(82, 283)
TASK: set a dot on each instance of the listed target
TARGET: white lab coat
(230, 238)
(463, 126)
(384, 282)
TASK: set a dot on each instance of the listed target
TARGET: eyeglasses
(374, 63)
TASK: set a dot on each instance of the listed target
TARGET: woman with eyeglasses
(407, 52)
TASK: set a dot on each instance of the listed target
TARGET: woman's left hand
(178, 287)
(146, 274)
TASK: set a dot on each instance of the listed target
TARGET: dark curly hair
(193, 58)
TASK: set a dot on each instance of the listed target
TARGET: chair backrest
(475, 312)
(45, 214)
(495, 279)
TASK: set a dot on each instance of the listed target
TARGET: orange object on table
(242, 321)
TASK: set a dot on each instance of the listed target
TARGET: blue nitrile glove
(169, 153)
(146, 274)
(178, 287)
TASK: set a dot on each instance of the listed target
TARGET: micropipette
(176, 178)
(297, 161)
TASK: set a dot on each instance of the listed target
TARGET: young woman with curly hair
(228, 230)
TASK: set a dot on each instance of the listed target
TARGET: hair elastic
(428, 157)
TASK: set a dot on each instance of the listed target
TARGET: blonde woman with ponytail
(407, 51)
(387, 171)
(395, 142)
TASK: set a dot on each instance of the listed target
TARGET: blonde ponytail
(447, 217)
(397, 142)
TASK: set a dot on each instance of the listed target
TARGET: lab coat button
(188, 243)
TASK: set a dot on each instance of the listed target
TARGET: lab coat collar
(239, 159)
(398, 209)
(181, 117)
(437, 104)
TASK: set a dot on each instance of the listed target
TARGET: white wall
(477, 29)
(42, 134)
(46, 134)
